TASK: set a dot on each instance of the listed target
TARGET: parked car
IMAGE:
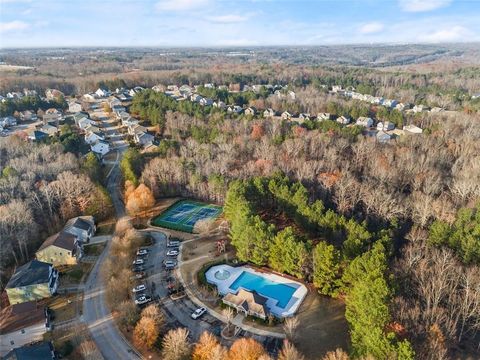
(199, 312)
(142, 252)
(139, 288)
(172, 252)
(139, 269)
(138, 262)
(173, 243)
(143, 300)
(138, 276)
(169, 264)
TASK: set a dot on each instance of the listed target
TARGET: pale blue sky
(28, 23)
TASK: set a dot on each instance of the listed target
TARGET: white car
(199, 312)
(143, 300)
(169, 264)
(172, 252)
(142, 252)
(138, 262)
(139, 288)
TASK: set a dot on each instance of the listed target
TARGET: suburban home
(83, 227)
(93, 135)
(129, 122)
(61, 248)
(385, 126)
(32, 281)
(220, 105)
(102, 92)
(196, 97)
(114, 101)
(22, 324)
(144, 139)
(8, 121)
(36, 135)
(52, 115)
(292, 95)
(38, 351)
(29, 92)
(79, 116)
(400, 106)
(48, 129)
(206, 102)
(365, 121)
(123, 97)
(136, 129)
(383, 137)
(323, 116)
(100, 147)
(412, 129)
(286, 115)
(344, 120)
(437, 109)
(235, 109)
(304, 116)
(52, 94)
(121, 115)
(269, 113)
(248, 302)
(250, 111)
(336, 88)
(74, 107)
(420, 108)
(28, 115)
(89, 97)
(84, 123)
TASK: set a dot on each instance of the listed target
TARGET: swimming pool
(249, 281)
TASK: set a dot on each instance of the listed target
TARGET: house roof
(79, 222)
(62, 240)
(31, 273)
(19, 316)
(248, 300)
(38, 351)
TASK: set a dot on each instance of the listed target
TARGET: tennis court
(183, 215)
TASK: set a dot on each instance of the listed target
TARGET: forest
(375, 213)
(41, 187)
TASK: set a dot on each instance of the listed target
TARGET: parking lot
(178, 311)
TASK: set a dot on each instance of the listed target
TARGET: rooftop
(33, 272)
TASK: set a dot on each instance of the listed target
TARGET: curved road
(96, 314)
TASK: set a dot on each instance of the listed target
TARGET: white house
(286, 115)
(28, 115)
(83, 227)
(235, 109)
(143, 138)
(74, 107)
(323, 116)
(91, 137)
(102, 92)
(85, 122)
(365, 121)
(292, 95)
(220, 105)
(304, 116)
(196, 98)
(89, 97)
(344, 120)
(385, 126)
(250, 111)
(269, 113)
(206, 102)
(100, 147)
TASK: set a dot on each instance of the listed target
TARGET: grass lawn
(74, 274)
(105, 228)
(63, 307)
(93, 250)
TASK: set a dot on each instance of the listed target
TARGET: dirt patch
(63, 307)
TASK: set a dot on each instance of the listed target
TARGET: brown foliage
(208, 348)
(146, 333)
(175, 345)
(246, 349)
(140, 199)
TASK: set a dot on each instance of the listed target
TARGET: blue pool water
(280, 292)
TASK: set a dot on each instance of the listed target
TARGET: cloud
(371, 28)
(228, 19)
(422, 5)
(13, 26)
(180, 5)
(455, 33)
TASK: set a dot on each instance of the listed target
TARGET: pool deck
(224, 285)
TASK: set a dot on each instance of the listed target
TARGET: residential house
(8, 121)
(252, 111)
(78, 116)
(100, 147)
(286, 115)
(28, 115)
(292, 95)
(121, 115)
(52, 116)
(123, 97)
(365, 121)
(37, 351)
(323, 116)
(85, 123)
(83, 227)
(390, 103)
(138, 89)
(36, 135)
(220, 105)
(209, 86)
(32, 281)
(93, 134)
(206, 102)
(29, 92)
(14, 95)
(102, 92)
(48, 129)
(52, 94)
(129, 122)
(175, 87)
(61, 248)
(337, 88)
(158, 88)
(22, 324)
(437, 109)
(144, 139)
(269, 113)
(89, 97)
(74, 107)
(344, 120)
(304, 116)
(383, 137)
(400, 106)
(247, 302)
(196, 98)
(136, 129)
(420, 108)
(113, 101)
(234, 109)
(385, 126)
(412, 129)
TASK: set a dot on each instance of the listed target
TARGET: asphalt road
(96, 314)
